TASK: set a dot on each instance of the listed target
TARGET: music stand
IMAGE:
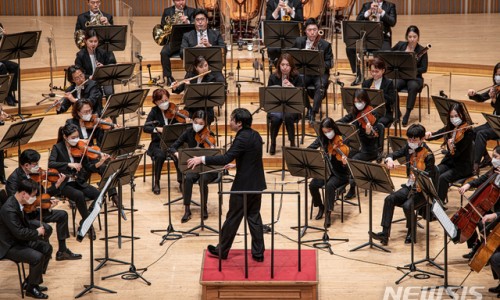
(443, 105)
(87, 225)
(400, 65)
(5, 82)
(111, 37)
(350, 135)
(371, 177)
(175, 38)
(284, 100)
(369, 32)
(123, 103)
(376, 98)
(19, 134)
(493, 121)
(307, 163)
(278, 35)
(397, 143)
(184, 155)
(113, 74)
(204, 95)
(16, 46)
(214, 55)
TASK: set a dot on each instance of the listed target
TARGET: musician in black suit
(201, 36)
(82, 88)
(10, 67)
(75, 188)
(313, 41)
(276, 9)
(154, 125)
(189, 138)
(286, 75)
(382, 11)
(412, 85)
(19, 242)
(28, 161)
(247, 150)
(83, 18)
(186, 18)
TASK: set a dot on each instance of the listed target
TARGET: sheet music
(443, 218)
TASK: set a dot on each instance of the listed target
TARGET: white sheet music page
(443, 218)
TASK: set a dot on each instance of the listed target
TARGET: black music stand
(369, 32)
(400, 65)
(16, 46)
(184, 155)
(5, 82)
(124, 103)
(397, 143)
(87, 225)
(204, 95)
(113, 74)
(371, 177)
(307, 163)
(278, 35)
(493, 121)
(175, 38)
(443, 105)
(350, 135)
(376, 98)
(19, 134)
(214, 55)
(428, 189)
(111, 37)
(284, 100)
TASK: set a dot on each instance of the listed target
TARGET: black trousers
(484, 133)
(10, 67)
(37, 254)
(400, 198)
(74, 191)
(351, 53)
(320, 84)
(2, 165)
(447, 176)
(159, 157)
(190, 179)
(165, 56)
(413, 86)
(276, 119)
(58, 216)
(233, 220)
(333, 183)
(495, 265)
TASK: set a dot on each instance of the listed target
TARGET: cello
(486, 250)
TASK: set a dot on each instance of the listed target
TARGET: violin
(42, 201)
(457, 135)
(481, 201)
(203, 137)
(92, 152)
(173, 112)
(366, 117)
(104, 124)
(52, 175)
(417, 160)
(486, 250)
(337, 148)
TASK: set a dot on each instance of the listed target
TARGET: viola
(366, 117)
(481, 201)
(91, 152)
(203, 137)
(417, 160)
(104, 124)
(173, 112)
(42, 201)
(52, 175)
(337, 148)
(457, 135)
(486, 250)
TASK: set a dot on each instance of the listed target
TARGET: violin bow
(366, 113)
(457, 129)
(93, 130)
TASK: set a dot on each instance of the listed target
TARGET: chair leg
(144, 169)
(268, 124)
(420, 107)
(342, 209)
(73, 215)
(21, 279)
(153, 167)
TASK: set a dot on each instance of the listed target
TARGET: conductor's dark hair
(311, 21)
(361, 95)
(158, 94)
(415, 131)
(29, 156)
(495, 69)
(412, 28)
(242, 115)
(71, 70)
(200, 11)
(90, 33)
(27, 185)
(78, 106)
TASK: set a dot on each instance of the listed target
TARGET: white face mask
(73, 142)
(359, 105)
(34, 169)
(456, 121)
(496, 163)
(413, 146)
(32, 200)
(164, 105)
(197, 127)
(497, 79)
(87, 117)
(330, 134)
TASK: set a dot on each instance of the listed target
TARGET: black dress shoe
(11, 101)
(328, 219)
(272, 149)
(34, 292)
(205, 213)
(350, 194)
(67, 255)
(41, 288)
(258, 258)
(408, 239)
(382, 237)
(494, 289)
(156, 188)
(3, 181)
(357, 81)
(214, 252)
(321, 210)
(186, 217)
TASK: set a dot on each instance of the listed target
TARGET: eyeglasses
(200, 19)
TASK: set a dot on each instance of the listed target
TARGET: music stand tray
(175, 39)
(371, 177)
(202, 95)
(215, 57)
(113, 74)
(443, 105)
(308, 62)
(19, 134)
(397, 143)
(121, 141)
(126, 102)
(349, 130)
(376, 98)
(111, 37)
(5, 82)
(171, 133)
(494, 122)
(370, 32)
(279, 34)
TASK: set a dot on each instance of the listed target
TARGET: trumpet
(285, 16)
(374, 17)
(60, 101)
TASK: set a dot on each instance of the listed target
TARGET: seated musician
(313, 41)
(199, 66)
(286, 75)
(80, 88)
(157, 118)
(86, 17)
(28, 161)
(197, 136)
(201, 36)
(485, 133)
(19, 242)
(328, 140)
(474, 242)
(412, 85)
(10, 67)
(457, 163)
(76, 188)
(368, 132)
(380, 82)
(418, 155)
